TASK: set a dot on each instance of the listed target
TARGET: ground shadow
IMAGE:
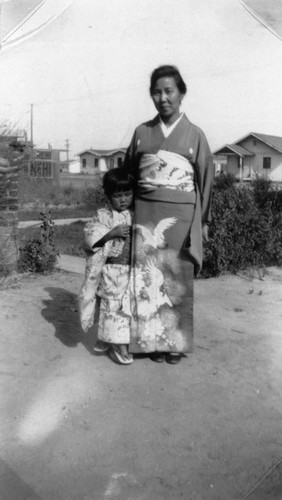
(62, 311)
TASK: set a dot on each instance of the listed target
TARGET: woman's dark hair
(117, 179)
(168, 71)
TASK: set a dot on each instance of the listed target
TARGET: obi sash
(166, 170)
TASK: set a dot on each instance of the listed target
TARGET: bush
(225, 181)
(265, 196)
(94, 197)
(246, 229)
(39, 255)
(5, 249)
(44, 192)
(31, 190)
(71, 195)
(69, 238)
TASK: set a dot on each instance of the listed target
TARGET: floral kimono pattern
(107, 277)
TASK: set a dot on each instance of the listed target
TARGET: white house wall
(90, 164)
(276, 170)
(112, 162)
(74, 167)
(255, 163)
(104, 163)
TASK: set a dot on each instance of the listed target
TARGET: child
(108, 236)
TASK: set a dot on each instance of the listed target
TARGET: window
(112, 163)
(254, 142)
(41, 169)
(83, 162)
(96, 162)
(266, 162)
(119, 161)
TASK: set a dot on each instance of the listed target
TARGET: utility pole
(0, 25)
(31, 124)
(68, 148)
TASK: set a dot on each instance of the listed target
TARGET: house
(74, 167)
(219, 163)
(254, 155)
(100, 160)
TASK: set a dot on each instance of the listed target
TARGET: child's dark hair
(117, 179)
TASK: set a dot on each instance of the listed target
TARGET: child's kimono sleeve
(96, 229)
(93, 232)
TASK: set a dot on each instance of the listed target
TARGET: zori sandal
(116, 356)
(173, 358)
(157, 357)
(101, 347)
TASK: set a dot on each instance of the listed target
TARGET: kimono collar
(167, 130)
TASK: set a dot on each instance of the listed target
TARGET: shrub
(70, 238)
(68, 190)
(71, 195)
(39, 255)
(265, 196)
(225, 181)
(5, 249)
(261, 188)
(245, 231)
(44, 192)
(94, 197)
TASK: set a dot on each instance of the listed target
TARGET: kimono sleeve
(96, 229)
(205, 176)
(131, 157)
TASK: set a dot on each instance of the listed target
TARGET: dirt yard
(75, 426)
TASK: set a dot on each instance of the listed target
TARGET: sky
(87, 72)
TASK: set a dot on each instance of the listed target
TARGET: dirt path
(75, 426)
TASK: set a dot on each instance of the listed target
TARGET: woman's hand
(205, 232)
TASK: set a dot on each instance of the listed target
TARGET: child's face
(121, 200)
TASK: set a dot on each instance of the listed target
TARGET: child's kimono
(107, 276)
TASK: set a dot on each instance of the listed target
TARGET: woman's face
(167, 98)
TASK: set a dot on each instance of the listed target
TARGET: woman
(172, 164)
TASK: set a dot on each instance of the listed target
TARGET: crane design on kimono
(155, 238)
(151, 290)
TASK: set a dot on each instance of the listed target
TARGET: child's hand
(121, 231)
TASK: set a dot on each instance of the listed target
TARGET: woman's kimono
(106, 278)
(174, 177)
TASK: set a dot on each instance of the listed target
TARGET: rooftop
(103, 152)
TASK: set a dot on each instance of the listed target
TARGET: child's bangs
(123, 185)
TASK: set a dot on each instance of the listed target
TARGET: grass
(56, 213)
(63, 202)
(69, 238)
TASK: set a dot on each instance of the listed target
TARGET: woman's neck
(168, 121)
